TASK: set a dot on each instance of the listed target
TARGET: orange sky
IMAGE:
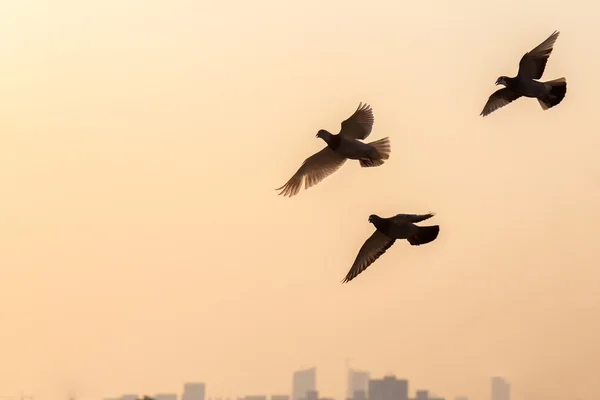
(142, 243)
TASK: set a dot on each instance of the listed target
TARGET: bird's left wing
(312, 171)
(371, 250)
(499, 99)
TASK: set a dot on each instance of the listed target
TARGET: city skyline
(388, 387)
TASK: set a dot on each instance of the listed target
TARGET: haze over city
(142, 243)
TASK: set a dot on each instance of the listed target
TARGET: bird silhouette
(388, 230)
(345, 145)
(526, 83)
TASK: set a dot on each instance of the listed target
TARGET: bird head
(501, 81)
(323, 134)
(373, 218)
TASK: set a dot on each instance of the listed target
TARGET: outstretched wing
(412, 218)
(499, 99)
(360, 124)
(533, 63)
(371, 250)
(313, 170)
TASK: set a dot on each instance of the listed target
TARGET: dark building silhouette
(500, 389)
(303, 382)
(388, 388)
(194, 391)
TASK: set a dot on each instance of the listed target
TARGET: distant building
(388, 388)
(500, 389)
(303, 382)
(255, 398)
(280, 397)
(424, 395)
(165, 396)
(357, 381)
(360, 394)
(194, 391)
(312, 395)
(130, 397)
(461, 398)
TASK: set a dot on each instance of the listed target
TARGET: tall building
(193, 391)
(303, 382)
(388, 388)
(357, 381)
(312, 395)
(500, 389)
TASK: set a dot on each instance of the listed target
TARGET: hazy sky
(142, 243)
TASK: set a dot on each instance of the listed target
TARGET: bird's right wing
(360, 124)
(313, 170)
(370, 251)
(499, 99)
(412, 218)
(533, 63)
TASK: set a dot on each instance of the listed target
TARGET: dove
(347, 144)
(527, 84)
(387, 231)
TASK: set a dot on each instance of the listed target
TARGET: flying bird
(345, 145)
(388, 230)
(527, 84)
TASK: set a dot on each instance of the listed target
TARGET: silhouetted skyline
(389, 387)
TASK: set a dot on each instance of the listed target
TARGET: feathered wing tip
(425, 235)
(363, 107)
(292, 187)
(558, 91)
(383, 148)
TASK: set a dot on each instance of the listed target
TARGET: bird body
(388, 230)
(527, 83)
(531, 88)
(352, 149)
(343, 146)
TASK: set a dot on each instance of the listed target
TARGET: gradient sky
(142, 243)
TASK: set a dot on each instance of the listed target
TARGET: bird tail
(425, 235)
(382, 149)
(558, 90)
